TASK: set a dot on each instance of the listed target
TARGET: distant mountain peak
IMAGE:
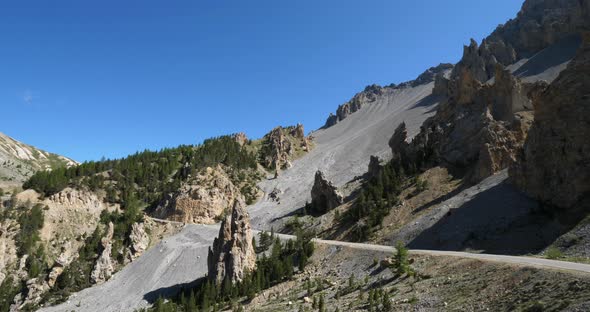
(18, 160)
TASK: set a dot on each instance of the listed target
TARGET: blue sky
(88, 79)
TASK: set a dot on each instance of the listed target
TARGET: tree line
(378, 195)
(147, 174)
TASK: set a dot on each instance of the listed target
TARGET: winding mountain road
(517, 260)
(182, 258)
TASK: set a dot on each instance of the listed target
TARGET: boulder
(232, 255)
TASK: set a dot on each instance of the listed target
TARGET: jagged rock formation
(540, 23)
(398, 143)
(241, 138)
(139, 239)
(8, 255)
(68, 216)
(201, 199)
(360, 99)
(67, 255)
(36, 287)
(103, 269)
(278, 150)
(430, 74)
(18, 161)
(372, 92)
(479, 61)
(554, 165)
(479, 126)
(324, 195)
(281, 145)
(483, 122)
(232, 254)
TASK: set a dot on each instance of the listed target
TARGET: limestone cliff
(554, 166)
(103, 269)
(539, 24)
(201, 199)
(478, 127)
(282, 145)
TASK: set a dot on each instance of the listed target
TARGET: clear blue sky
(88, 79)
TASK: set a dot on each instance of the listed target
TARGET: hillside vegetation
(145, 175)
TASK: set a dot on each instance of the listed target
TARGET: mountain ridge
(18, 161)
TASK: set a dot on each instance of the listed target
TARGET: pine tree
(386, 302)
(192, 303)
(321, 304)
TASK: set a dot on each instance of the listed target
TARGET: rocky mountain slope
(202, 199)
(554, 166)
(18, 161)
(459, 126)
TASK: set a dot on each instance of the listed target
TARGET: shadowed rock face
(483, 123)
(479, 127)
(232, 255)
(554, 166)
(539, 24)
(374, 166)
(324, 196)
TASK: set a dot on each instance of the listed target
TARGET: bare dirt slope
(342, 151)
(179, 259)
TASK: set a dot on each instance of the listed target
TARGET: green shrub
(553, 253)
(401, 263)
